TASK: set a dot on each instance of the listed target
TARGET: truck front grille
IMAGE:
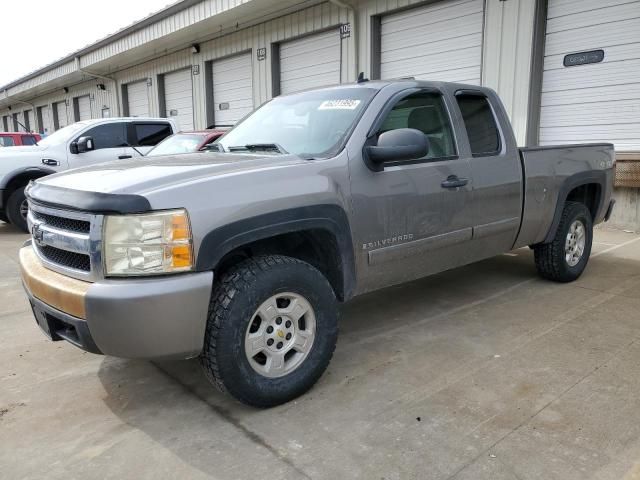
(67, 241)
(61, 223)
(77, 261)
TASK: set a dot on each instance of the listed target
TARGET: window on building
(424, 111)
(482, 130)
(150, 134)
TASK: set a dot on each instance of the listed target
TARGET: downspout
(355, 32)
(103, 77)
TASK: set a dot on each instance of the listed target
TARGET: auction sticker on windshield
(344, 104)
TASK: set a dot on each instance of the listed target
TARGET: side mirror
(397, 145)
(85, 144)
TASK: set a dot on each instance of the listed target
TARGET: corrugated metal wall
(506, 55)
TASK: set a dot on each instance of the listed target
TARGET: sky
(32, 43)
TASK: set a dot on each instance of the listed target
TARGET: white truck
(77, 145)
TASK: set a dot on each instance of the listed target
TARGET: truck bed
(550, 174)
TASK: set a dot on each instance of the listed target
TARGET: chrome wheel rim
(575, 243)
(24, 209)
(280, 335)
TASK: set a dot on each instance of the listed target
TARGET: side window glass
(6, 141)
(110, 135)
(482, 130)
(28, 140)
(424, 111)
(150, 134)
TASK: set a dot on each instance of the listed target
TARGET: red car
(16, 139)
(186, 142)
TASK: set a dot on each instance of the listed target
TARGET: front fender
(332, 218)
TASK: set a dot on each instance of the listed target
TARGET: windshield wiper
(258, 147)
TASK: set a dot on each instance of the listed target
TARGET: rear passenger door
(496, 173)
(146, 135)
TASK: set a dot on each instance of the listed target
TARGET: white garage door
(84, 108)
(594, 102)
(440, 41)
(178, 92)
(46, 122)
(18, 122)
(310, 62)
(232, 89)
(61, 113)
(138, 99)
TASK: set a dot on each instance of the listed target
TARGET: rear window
(482, 130)
(6, 142)
(150, 134)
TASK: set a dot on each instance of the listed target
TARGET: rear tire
(16, 209)
(566, 256)
(271, 331)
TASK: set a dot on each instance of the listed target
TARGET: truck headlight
(147, 244)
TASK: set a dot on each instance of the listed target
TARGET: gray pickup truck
(241, 256)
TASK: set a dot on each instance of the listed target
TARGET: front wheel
(17, 209)
(271, 331)
(566, 257)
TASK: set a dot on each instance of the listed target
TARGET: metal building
(568, 71)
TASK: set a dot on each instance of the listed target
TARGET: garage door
(310, 62)
(26, 115)
(440, 41)
(178, 92)
(84, 108)
(232, 89)
(45, 120)
(592, 102)
(138, 99)
(61, 114)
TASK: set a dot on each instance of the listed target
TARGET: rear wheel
(566, 257)
(272, 330)
(17, 209)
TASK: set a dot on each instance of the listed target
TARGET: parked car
(241, 257)
(77, 145)
(186, 142)
(17, 139)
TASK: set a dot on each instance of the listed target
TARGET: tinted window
(480, 123)
(7, 141)
(110, 135)
(424, 111)
(28, 140)
(150, 134)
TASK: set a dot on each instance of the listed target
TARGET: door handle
(453, 181)
(51, 162)
(124, 157)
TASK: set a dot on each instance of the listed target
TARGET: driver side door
(412, 219)
(109, 141)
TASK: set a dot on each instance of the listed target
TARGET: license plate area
(42, 321)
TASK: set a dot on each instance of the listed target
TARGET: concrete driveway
(485, 372)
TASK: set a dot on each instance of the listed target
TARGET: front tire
(17, 208)
(566, 257)
(271, 331)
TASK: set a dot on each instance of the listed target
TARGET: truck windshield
(309, 124)
(62, 135)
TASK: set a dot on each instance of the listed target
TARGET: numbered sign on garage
(310, 62)
(232, 89)
(178, 96)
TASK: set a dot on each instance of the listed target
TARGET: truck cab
(74, 146)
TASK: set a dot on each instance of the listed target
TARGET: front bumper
(161, 317)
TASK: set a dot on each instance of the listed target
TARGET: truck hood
(143, 176)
